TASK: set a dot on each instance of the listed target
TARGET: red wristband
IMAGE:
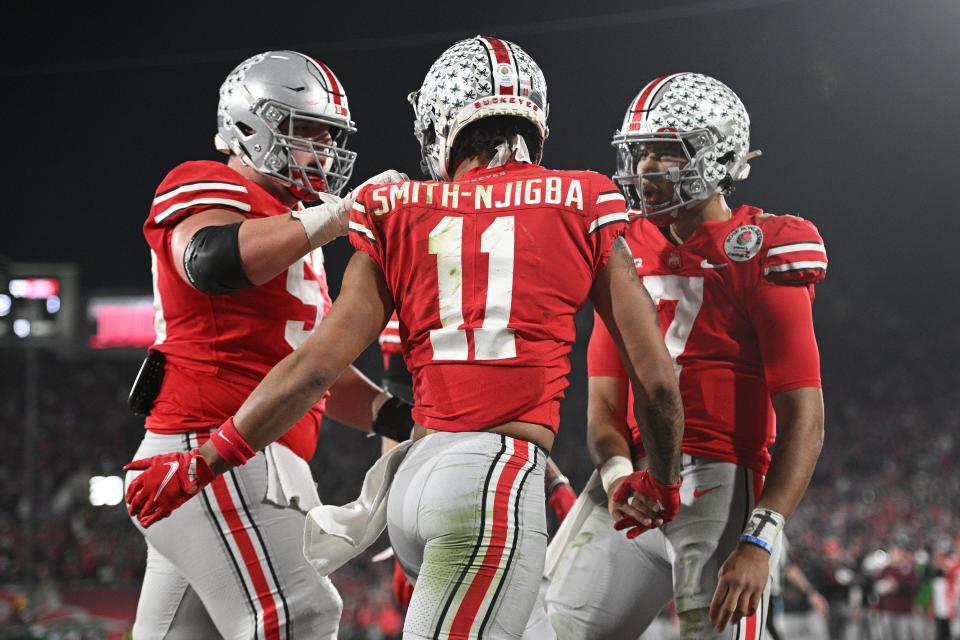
(230, 444)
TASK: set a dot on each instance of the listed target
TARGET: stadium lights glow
(106, 491)
(21, 328)
(53, 304)
(18, 288)
(5, 304)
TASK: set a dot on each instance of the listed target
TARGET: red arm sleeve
(603, 359)
(783, 319)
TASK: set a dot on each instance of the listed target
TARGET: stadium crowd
(885, 497)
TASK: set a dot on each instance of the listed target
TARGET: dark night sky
(855, 111)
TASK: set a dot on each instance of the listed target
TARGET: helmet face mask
(708, 127)
(474, 79)
(286, 116)
(685, 150)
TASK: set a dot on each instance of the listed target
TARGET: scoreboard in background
(121, 321)
(38, 304)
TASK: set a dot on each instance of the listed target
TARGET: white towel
(334, 535)
(570, 526)
(514, 151)
(289, 481)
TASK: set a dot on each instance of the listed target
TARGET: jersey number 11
(493, 340)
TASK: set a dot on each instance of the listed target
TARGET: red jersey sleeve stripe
(223, 202)
(197, 186)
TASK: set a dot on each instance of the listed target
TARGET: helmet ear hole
(245, 129)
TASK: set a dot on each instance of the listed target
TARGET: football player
(486, 266)
(397, 380)
(239, 284)
(733, 289)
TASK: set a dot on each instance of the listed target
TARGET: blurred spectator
(897, 590)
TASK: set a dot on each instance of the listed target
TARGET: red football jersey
(218, 348)
(734, 303)
(389, 340)
(486, 274)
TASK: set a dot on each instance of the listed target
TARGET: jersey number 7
(493, 340)
(678, 300)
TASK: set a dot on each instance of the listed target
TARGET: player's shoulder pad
(793, 252)
(198, 183)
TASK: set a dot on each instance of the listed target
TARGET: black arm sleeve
(212, 260)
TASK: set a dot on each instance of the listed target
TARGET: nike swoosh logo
(709, 265)
(224, 437)
(697, 493)
(173, 470)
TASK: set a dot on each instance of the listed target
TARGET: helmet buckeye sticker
(743, 243)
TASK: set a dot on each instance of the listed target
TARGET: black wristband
(394, 420)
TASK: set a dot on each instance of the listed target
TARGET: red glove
(561, 500)
(402, 589)
(168, 480)
(641, 482)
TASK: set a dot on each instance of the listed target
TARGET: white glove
(387, 177)
(325, 221)
(331, 218)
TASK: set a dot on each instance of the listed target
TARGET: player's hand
(344, 205)
(168, 480)
(743, 578)
(632, 513)
(386, 177)
(561, 500)
(643, 502)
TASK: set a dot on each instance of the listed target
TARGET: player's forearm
(607, 420)
(351, 400)
(799, 440)
(279, 401)
(270, 245)
(659, 413)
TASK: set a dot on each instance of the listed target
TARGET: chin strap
(510, 151)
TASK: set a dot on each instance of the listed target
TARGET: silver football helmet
(280, 102)
(694, 118)
(474, 79)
